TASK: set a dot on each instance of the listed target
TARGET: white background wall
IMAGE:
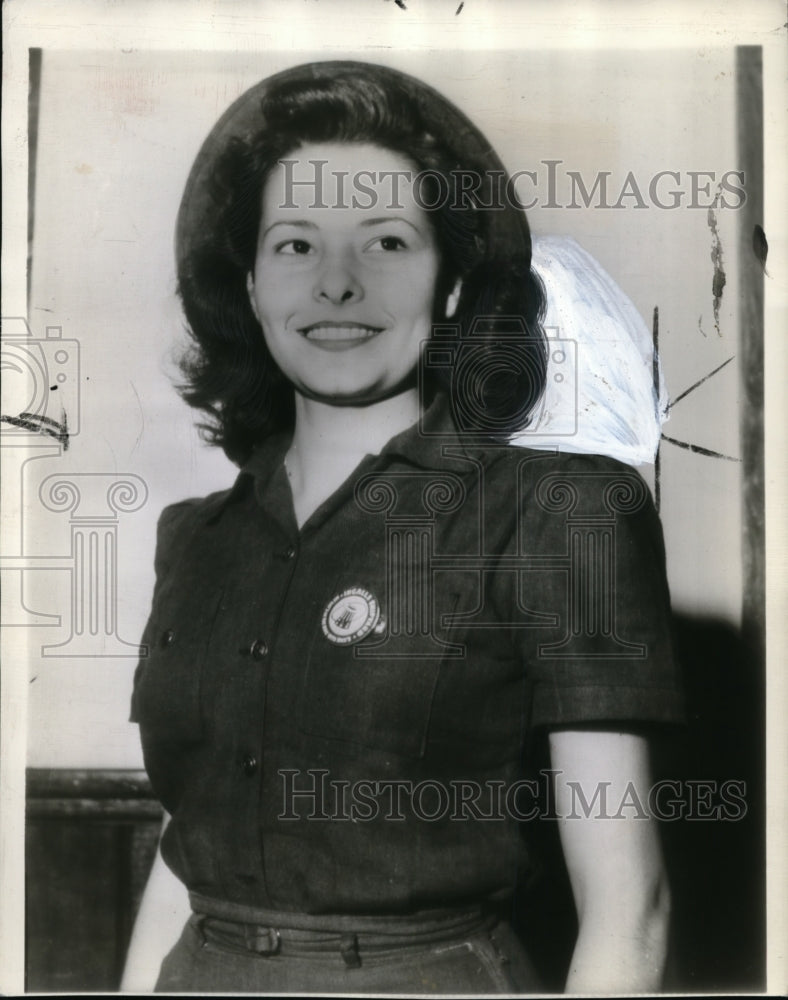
(117, 134)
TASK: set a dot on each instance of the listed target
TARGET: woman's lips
(333, 336)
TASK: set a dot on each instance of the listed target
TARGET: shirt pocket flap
(378, 691)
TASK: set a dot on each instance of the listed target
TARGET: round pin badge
(350, 616)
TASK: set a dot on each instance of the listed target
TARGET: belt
(238, 928)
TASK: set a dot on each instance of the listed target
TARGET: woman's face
(344, 282)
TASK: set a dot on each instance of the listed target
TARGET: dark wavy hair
(494, 354)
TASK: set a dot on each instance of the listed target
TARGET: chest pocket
(169, 683)
(376, 690)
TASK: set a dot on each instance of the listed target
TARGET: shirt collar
(432, 443)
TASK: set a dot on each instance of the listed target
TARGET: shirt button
(249, 764)
(167, 638)
(258, 649)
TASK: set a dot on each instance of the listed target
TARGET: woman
(351, 650)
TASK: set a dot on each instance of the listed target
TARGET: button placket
(275, 565)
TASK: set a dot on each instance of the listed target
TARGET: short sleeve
(601, 648)
(172, 532)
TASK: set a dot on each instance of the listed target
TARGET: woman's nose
(337, 282)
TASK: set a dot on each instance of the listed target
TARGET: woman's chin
(361, 396)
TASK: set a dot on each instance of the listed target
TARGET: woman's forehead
(360, 178)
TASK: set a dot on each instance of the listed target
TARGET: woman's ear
(453, 299)
(250, 293)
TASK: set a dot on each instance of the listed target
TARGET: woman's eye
(299, 247)
(388, 243)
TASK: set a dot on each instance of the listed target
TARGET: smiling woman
(344, 295)
(392, 600)
(423, 151)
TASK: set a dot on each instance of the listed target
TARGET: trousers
(226, 948)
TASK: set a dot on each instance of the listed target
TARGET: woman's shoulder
(177, 525)
(179, 517)
(569, 483)
(538, 462)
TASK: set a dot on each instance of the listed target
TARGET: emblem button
(350, 616)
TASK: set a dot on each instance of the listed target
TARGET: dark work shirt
(335, 717)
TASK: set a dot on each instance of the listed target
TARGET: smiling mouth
(335, 335)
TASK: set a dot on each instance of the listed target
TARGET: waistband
(236, 927)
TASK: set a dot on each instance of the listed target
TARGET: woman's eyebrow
(298, 223)
(387, 220)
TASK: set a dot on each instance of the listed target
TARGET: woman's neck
(325, 433)
(330, 441)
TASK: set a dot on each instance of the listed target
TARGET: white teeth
(341, 333)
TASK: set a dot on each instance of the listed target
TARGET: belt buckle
(262, 940)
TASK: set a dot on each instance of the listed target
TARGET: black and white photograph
(393, 557)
